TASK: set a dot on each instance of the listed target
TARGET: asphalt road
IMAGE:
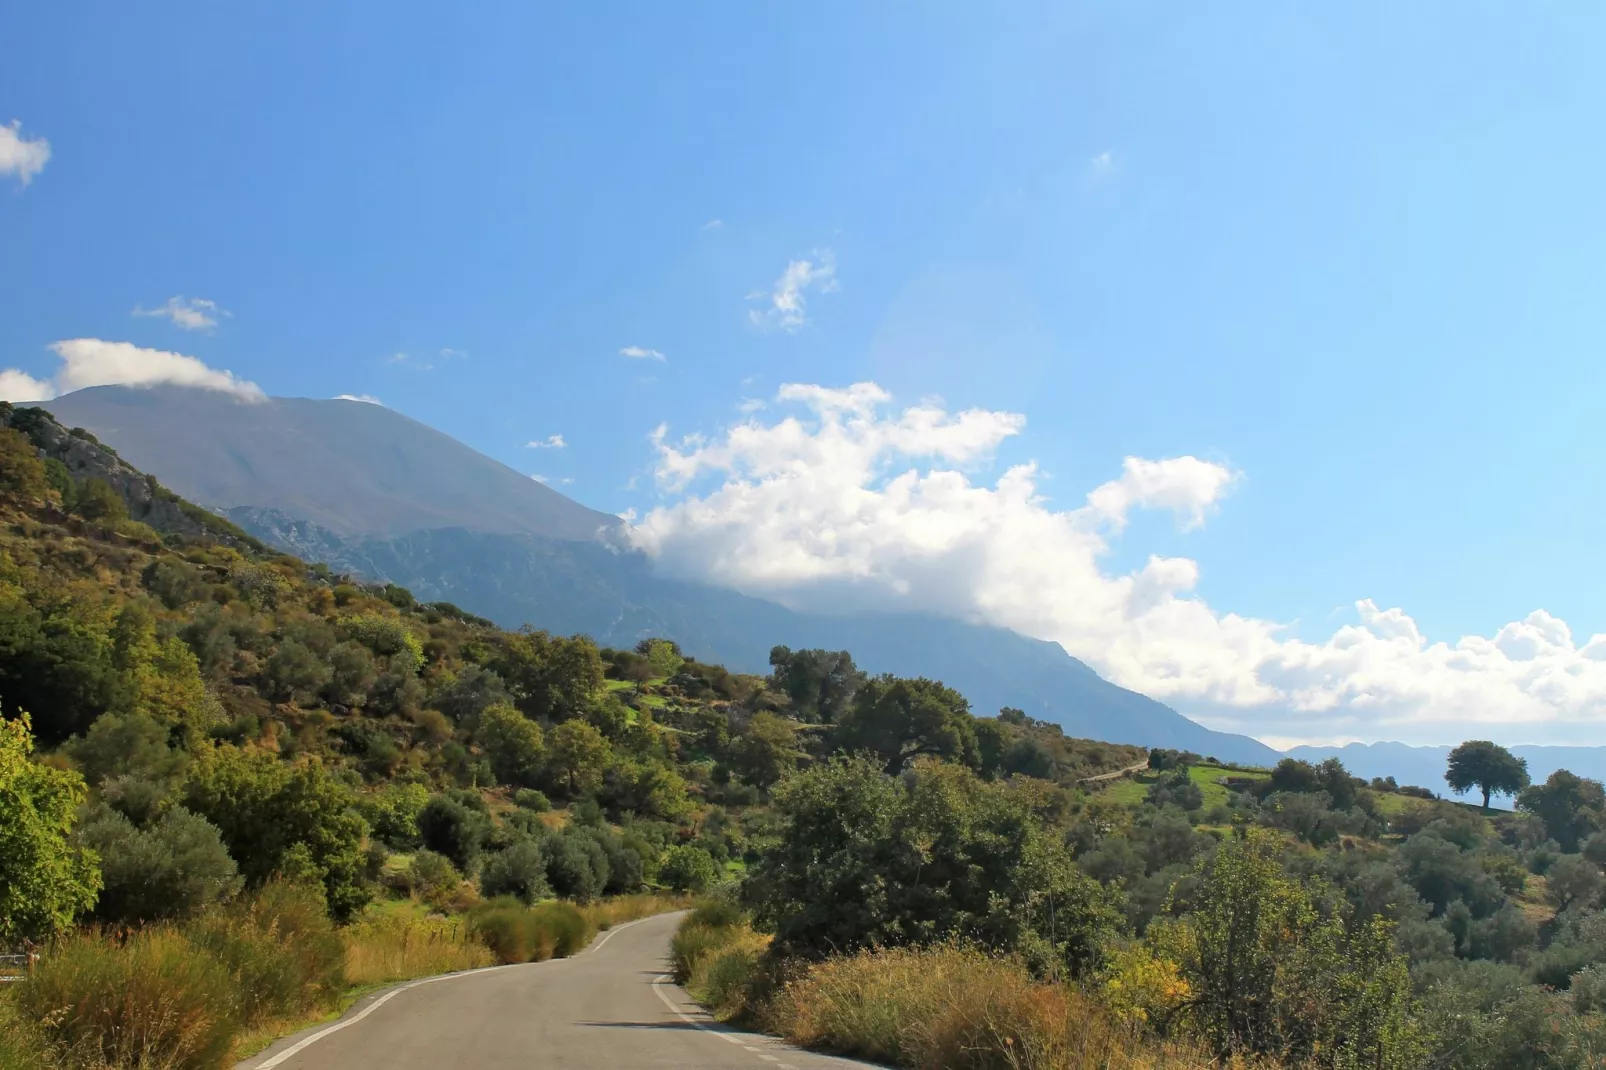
(612, 1006)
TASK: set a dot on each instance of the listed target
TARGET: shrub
(532, 799)
(448, 827)
(560, 927)
(502, 925)
(954, 1007)
(431, 876)
(150, 1001)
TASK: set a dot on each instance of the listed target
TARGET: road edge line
(658, 988)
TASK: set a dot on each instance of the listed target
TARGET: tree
(22, 474)
(1574, 880)
(1269, 972)
(820, 683)
(448, 827)
(552, 678)
(865, 859)
(176, 867)
(519, 871)
(766, 751)
(663, 657)
(513, 743)
(899, 720)
(1570, 806)
(45, 879)
(99, 503)
(576, 757)
(272, 814)
(1487, 766)
(687, 868)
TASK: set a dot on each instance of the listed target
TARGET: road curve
(612, 1006)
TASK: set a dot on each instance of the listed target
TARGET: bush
(431, 876)
(516, 933)
(448, 827)
(149, 1001)
(532, 799)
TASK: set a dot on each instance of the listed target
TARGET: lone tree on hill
(1491, 768)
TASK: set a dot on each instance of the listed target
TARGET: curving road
(612, 1006)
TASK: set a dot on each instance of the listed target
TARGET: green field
(1129, 791)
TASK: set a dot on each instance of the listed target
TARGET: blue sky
(1351, 254)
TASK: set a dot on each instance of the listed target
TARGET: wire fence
(16, 967)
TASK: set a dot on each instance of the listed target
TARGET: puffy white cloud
(93, 362)
(787, 304)
(366, 399)
(190, 313)
(20, 156)
(20, 386)
(642, 353)
(842, 500)
(551, 442)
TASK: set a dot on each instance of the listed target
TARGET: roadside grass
(222, 986)
(947, 1006)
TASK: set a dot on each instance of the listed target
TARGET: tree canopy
(1487, 766)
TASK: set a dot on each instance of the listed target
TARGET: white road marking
(307, 1042)
(658, 987)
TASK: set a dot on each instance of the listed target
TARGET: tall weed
(395, 948)
(148, 1001)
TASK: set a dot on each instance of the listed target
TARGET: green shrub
(149, 1001)
(532, 799)
(503, 926)
(561, 927)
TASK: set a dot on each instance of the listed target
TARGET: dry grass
(963, 1009)
(396, 947)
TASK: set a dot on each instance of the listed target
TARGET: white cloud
(92, 362)
(190, 313)
(21, 156)
(454, 354)
(549, 479)
(642, 353)
(367, 399)
(551, 442)
(714, 224)
(847, 501)
(787, 302)
(20, 386)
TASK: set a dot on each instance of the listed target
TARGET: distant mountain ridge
(350, 467)
(375, 493)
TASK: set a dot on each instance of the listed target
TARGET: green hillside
(206, 742)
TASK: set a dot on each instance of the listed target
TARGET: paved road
(609, 1007)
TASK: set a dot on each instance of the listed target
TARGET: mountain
(350, 467)
(1424, 766)
(369, 491)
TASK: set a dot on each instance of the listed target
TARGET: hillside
(1425, 765)
(230, 729)
(371, 492)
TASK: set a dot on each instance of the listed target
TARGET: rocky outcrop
(148, 501)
